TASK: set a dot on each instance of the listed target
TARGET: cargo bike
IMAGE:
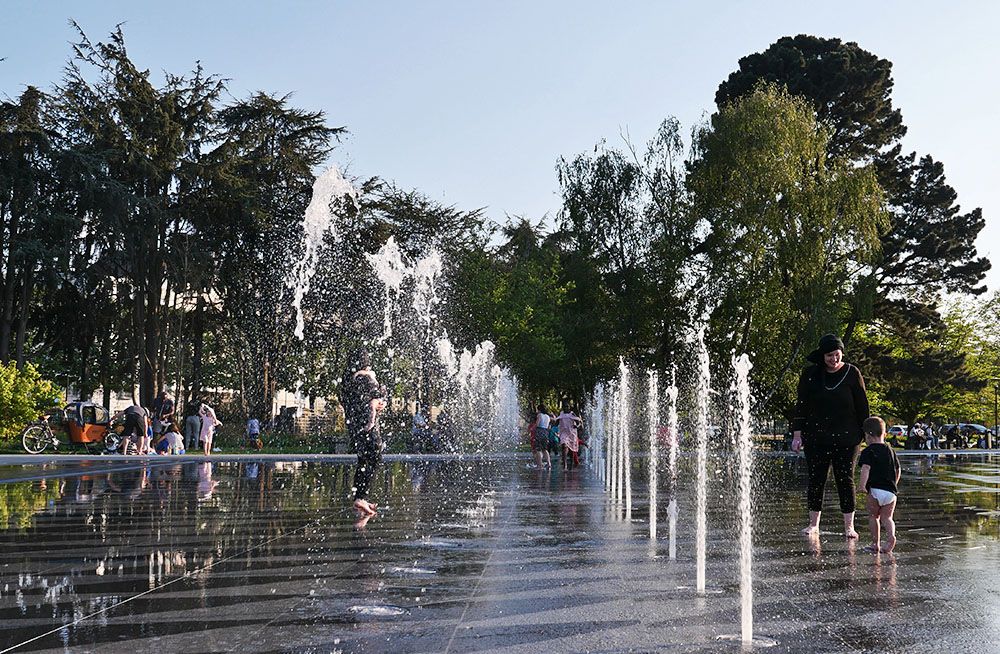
(78, 423)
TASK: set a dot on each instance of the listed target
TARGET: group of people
(560, 434)
(154, 430)
(832, 418)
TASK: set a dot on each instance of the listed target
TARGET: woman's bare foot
(811, 530)
(849, 526)
(365, 507)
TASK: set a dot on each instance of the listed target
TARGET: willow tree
(789, 228)
(930, 248)
(626, 237)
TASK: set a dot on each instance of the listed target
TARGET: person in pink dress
(568, 437)
(209, 423)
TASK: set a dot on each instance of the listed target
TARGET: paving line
(161, 586)
(479, 579)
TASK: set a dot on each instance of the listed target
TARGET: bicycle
(84, 423)
(37, 437)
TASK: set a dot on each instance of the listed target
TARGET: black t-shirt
(136, 410)
(361, 390)
(164, 407)
(831, 407)
(883, 465)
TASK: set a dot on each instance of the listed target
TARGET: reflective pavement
(476, 556)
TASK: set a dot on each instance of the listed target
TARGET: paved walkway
(473, 556)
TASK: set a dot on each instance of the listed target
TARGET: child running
(539, 433)
(879, 476)
(568, 438)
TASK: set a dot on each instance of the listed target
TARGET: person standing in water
(363, 400)
(830, 413)
(540, 438)
(568, 438)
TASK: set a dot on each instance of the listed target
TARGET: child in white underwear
(879, 476)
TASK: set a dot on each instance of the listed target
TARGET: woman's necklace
(846, 372)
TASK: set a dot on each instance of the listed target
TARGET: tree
(626, 235)
(24, 395)
(929, 248)
(516, 298)
(29, 226)
(788, 227)
(849, 87)
(270, 150)
(141, 145)
(923, 366)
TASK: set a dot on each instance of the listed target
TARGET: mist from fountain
(320, 219)
(624, 389)
(388, 265)
(673, 442)
(596, 424)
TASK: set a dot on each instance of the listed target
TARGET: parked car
(897, 434)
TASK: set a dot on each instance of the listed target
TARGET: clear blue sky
(472, 102)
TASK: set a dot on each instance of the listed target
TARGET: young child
(879, 476)
(568, 437)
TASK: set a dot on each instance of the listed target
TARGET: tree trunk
(198, 335)
(105, 373)
(7, 313)
(22, 323)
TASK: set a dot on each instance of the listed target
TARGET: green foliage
(24, 395)
(626, 239)
(788, 229)
(930, 246)
(516, 298)
(849, 88)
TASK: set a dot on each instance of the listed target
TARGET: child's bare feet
(811, 530)
(364, 507)
(890, 544)
(850, 533)
(872, 549)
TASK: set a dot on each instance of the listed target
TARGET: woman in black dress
(831, 409)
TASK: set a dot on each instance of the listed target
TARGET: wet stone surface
(477, 556)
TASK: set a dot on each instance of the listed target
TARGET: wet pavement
(476, 556)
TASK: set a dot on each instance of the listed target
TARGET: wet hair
(874, 427)
(359, 360)
(566, 406)
(542, 409)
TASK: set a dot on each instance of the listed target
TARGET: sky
(473, 102)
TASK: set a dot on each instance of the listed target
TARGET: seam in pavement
(479, 579)
(161, 586)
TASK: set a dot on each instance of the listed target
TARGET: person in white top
(540, 437)
(209, 422)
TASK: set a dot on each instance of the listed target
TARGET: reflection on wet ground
(475, 556)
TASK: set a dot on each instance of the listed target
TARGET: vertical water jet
(699, 426)
(654, 449)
